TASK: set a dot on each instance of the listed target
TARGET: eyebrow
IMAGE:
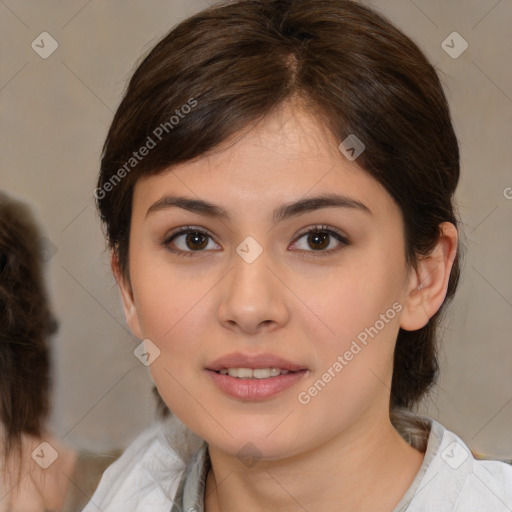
(284, 212)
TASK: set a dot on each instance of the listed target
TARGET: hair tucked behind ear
(25, 325)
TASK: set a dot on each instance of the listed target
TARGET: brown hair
(25, 325)
(238, 62)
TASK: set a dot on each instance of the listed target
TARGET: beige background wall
(55, 113)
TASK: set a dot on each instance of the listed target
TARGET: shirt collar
(190, 493)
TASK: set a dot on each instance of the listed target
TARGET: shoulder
(147, 474)
(488, 486)
(456, 480)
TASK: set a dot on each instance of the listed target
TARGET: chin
(256, 443)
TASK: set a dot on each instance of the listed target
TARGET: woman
(277, 190)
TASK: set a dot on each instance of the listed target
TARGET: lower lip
(255, 389)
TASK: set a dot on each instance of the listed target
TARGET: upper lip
(239, 360)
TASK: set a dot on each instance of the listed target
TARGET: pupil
(195, 239)
(321, 239)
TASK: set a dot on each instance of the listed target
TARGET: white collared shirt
(165, 468)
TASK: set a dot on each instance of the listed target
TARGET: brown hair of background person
(25, 326)
(352, 68)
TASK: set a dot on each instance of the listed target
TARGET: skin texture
(302, 304)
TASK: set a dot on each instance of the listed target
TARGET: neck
(368, 470)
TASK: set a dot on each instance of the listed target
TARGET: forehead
(286, 156)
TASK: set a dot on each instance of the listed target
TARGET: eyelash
(313, 229)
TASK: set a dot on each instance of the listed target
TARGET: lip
(255, 389)
(266, 360)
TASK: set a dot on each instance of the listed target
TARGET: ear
(428, 283)
(130, 311)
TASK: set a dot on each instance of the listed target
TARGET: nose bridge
(253, 295)
(250, 277)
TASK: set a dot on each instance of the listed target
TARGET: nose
(253, 299)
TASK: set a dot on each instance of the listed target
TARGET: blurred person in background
(33, 475)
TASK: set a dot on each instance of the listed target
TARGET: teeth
(249, 373)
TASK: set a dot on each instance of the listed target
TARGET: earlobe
(130, 310)
(428, 283)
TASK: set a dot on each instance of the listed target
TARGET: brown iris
(318, 240)
(196, 241)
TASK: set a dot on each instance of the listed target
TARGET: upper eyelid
(321, 227)
(183, 230)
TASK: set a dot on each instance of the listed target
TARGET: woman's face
(256, 283)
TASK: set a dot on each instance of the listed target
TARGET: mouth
(254, 377)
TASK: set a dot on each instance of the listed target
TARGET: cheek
(173, 310)
(174, 321)
(162, 295)
(352, 298)
(354, 355)
(355, 327)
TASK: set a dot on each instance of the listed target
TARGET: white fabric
(146, 477)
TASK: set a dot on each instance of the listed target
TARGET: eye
(187, 240)
(321, 239)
